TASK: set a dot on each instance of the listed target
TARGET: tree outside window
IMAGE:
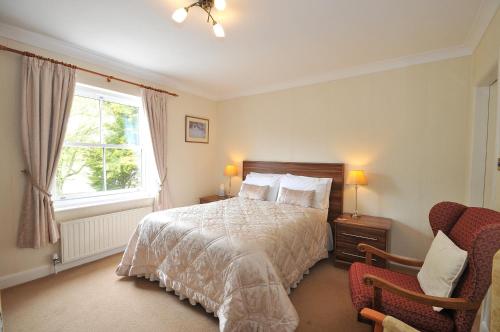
(102, 151)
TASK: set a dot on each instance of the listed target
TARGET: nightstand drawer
(351, 254)
(355, 235)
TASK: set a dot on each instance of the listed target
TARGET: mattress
(238, 258)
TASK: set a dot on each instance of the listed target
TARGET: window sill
(81, 203)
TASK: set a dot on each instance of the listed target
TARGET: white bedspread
(237, 258)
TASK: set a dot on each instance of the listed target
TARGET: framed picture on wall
(197, 130)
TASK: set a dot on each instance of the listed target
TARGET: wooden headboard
(322, 170)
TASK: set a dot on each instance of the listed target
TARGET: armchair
(475, 230)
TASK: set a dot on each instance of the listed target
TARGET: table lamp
(230, 171)
(356, 177)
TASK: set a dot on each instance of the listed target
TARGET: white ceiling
(269, 44)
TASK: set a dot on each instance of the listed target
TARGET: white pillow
(266, 179)
(443, 266)
(320, 186)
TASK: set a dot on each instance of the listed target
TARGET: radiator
(86, 237)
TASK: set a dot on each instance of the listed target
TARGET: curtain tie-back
(36, 185)
(162, 183)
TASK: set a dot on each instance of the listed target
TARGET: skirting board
(22, 277)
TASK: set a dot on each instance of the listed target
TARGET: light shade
(219, 30)
(179, 15)
(230, 170)
(356, 177)
(220, 4)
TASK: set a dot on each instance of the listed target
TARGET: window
(103, 152)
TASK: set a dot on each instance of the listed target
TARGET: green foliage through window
(101, 150)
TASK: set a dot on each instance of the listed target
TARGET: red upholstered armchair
(475, 230)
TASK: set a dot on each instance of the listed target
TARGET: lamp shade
(230, 170)
(356, 177)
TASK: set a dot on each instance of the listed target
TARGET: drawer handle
(360, 236)
(354, 255)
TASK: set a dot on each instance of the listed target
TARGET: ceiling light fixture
(220, 4)
(179, 15)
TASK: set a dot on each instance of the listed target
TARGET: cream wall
(188, 163)
(408, 128)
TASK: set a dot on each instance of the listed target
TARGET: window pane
(79, 171)
(122, 168)
(120, 123)
(83, 124)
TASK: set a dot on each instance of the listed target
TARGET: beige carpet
(93, 298)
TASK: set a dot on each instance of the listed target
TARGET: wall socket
(55, 260)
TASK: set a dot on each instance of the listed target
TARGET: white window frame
(143, 191)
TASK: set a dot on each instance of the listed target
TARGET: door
(491, 196)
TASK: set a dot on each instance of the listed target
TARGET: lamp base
(355, 215)
(228, 193)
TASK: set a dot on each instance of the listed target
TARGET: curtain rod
(108, 77)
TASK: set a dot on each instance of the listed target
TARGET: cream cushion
(392, 324)
(266, 179)
(495, 294)
(252, 191)
(320, 186)
(442, 268)
(296, 197)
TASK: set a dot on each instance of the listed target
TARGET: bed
(238, 257)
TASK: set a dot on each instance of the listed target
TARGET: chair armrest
(374, 316)
(370, 250)
(436, 301)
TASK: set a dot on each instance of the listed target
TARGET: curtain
(155, 105)
(46, 96)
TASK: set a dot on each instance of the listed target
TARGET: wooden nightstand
(213, 198)
(349, 232)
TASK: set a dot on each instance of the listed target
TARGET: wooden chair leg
(378, 327)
